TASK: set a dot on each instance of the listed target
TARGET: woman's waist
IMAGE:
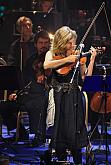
(64, 86)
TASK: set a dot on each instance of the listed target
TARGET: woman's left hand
(93, 52)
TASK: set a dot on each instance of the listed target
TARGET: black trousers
(8, 112)
(36, 106)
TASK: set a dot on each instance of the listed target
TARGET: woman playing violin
(69, 125)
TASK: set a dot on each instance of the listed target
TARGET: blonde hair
(21, 21)
(61, 37)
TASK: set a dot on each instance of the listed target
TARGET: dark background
(16, 8)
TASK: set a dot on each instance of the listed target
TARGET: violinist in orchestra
(37, 99)
(69, 124)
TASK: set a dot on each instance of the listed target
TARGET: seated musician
(8, 110)
(96, 100)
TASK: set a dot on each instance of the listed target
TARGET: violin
(66, 68)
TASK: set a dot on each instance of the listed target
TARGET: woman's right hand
(72, 58)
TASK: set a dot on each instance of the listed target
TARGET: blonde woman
(69, 125)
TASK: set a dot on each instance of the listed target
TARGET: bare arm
(52, 63)
(87, 71)
(83, 69)
(92, 60)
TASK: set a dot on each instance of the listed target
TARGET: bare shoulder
(49, 55)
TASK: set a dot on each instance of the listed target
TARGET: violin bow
(85, 35)
(94, 19)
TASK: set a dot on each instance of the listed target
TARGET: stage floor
(22, 153)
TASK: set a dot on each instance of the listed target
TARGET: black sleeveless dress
(69, 126)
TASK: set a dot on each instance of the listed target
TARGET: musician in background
(69, 127)
(46, 16)
(37, 98)
(96, 100)
(22, 48)
(46, 5)
(8, 111)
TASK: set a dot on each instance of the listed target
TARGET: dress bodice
(66, 78)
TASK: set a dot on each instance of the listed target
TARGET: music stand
(10, 79)
(97, 83)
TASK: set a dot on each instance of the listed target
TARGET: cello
(98, 102)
